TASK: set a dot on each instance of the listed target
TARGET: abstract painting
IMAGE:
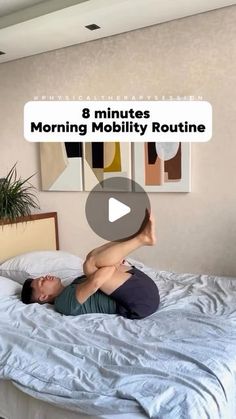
(77, 166)
(104, 160)
(61, 166)
(162, 167)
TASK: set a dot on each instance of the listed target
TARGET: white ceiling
(10, 6)
(55, 24)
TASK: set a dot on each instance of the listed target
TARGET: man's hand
(93, 283)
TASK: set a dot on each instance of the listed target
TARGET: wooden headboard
(36, 232)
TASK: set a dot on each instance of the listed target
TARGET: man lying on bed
(107, 285)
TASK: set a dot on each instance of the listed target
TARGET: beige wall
(191, 56)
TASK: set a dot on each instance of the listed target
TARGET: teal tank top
(66, 302)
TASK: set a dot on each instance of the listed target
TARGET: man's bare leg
(100, 249)
(113, 253)
(109, 278)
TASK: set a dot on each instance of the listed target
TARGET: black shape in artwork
(73, 149)
(152, 153)
(98, 155)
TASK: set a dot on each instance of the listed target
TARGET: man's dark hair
(27, 292)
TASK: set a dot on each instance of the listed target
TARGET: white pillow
(33, 264)
(9, 287)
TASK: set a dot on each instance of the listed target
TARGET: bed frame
(27, 234)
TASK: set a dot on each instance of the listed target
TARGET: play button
(116, 208)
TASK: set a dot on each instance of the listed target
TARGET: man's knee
(89, 266)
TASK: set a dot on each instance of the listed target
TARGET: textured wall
(191, 56)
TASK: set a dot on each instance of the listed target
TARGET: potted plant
(16, 197)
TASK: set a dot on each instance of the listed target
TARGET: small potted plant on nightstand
(16, 197)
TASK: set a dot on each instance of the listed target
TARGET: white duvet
(178, 363)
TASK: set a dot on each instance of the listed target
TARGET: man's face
(45, 288)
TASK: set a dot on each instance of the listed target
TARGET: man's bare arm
(93, 283)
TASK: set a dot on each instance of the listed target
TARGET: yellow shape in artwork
(112, 158)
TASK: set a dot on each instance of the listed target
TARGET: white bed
(178, 363)
(14, 404)
(34, 233)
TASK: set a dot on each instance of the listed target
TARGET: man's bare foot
(148, 235)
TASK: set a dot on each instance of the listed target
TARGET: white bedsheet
(178, 363)
(14, 404)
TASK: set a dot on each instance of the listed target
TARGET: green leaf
(17, 196)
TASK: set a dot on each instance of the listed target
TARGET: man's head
(41, 290)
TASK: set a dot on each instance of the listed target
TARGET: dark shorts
(138, 297)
